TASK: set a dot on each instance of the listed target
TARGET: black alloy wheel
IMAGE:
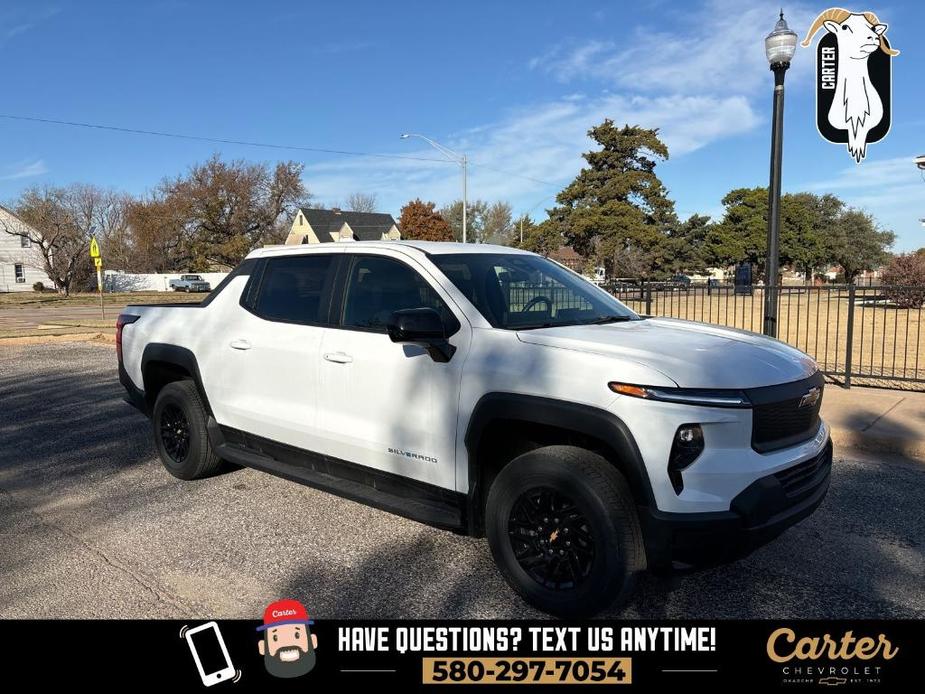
(175, 433)
(551, 539)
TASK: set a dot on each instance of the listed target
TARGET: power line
(512, 173)
(202, 138)
(265, 145)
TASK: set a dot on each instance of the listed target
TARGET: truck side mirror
(421, 326)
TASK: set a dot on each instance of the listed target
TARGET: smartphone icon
(209, 652)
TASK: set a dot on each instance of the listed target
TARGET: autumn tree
(904, 280)
(159, 238)
(362, 202)
(219, 211)
(58, 223)
(420, 221)
(617, 204)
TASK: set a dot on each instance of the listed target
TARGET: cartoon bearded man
(287, 647)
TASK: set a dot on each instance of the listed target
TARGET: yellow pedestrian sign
(94, 249)
(98, 262)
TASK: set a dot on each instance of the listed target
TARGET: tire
(600, 568)
(179, 416)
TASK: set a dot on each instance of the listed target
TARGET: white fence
(115, 281)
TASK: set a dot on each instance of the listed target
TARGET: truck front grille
(798, 479)
(786, 423)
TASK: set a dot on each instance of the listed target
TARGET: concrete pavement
(876, 419)
(92, 526)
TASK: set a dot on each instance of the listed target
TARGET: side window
(379, 286)
(296, 289)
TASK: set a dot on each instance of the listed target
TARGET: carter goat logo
(853, 79)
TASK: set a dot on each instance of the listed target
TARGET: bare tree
(498, 222)
(362, 202)
(217, 213)
(58, 221)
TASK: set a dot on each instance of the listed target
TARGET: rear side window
(296, 289)
(379, 286)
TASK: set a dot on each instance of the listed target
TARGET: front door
(385, 405)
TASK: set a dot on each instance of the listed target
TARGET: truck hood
(693, 355)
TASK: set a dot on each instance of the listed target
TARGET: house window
(20, 272)
(25, 242)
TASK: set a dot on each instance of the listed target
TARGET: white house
(20, 261)
(326, 226)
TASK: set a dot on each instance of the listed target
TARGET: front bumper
(757, 515)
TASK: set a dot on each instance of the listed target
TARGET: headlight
(685, 396)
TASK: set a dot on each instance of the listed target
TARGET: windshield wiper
(608, 319)
(596, 321)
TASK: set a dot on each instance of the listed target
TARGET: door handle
(239, 344)
(338, 357)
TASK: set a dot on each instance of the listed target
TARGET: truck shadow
(858, 556)
(68, 441)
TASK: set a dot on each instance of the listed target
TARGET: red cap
(284, 612)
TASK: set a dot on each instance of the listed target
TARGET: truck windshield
(524, 292)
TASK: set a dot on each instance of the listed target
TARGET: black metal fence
(868, 335)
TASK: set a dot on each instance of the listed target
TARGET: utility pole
(460, 159)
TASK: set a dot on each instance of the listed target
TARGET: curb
(67, 337)
(912, 448)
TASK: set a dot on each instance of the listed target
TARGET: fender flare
(178, 356)
(563, 414)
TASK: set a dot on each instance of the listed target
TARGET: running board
(411, 499)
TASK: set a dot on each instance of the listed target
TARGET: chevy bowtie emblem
(810, 398)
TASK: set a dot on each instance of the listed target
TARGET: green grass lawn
(35, 299)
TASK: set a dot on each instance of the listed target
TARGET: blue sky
(515, 85)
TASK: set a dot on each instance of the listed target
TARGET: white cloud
(893, 190)
(24, 169)
(718, 49)
(697, 76)
(543, 142)
(16, 22)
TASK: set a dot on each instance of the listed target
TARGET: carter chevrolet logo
(810, 398)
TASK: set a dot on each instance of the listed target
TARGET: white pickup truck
(491, 392)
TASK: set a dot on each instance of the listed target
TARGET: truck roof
(427, 247)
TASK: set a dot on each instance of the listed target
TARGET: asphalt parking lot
(92, 526)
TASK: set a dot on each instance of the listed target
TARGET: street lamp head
(780, 44)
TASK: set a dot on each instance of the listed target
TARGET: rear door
(272, 351)
(384, 405)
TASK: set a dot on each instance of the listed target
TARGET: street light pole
(463, 162)
(465, 174)
(780, 46)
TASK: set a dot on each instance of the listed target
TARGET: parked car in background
(190, 283)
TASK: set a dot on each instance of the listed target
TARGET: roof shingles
(366, 226)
